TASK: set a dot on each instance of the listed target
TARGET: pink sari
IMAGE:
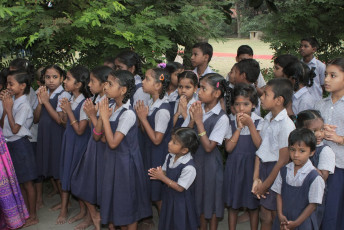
(13, 212)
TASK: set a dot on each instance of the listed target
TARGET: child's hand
(283, 222)
(245, 119)
(291, 225)
(3, 93)
(141, 110)
(156, 173)
(104, 110)
(240, 125)
(260, 190)
(197, 112)
(182, 106)
(254, 185)
(331, 135)
(65, 105)
(43, 94)
(90, 108)
(7, 102)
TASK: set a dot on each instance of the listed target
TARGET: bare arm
(158, 174)
(232, 142)
(304, 215)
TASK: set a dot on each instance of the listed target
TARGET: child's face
(243, 105)
(95, 85)
(231, 76)
(52, 79)
(206, 93)
(334, 79)
(70, 83)
(278, 71)
(306, 49)
(300, 153)
(243, 56)
(186, 88)
(317, 126)
(198, 58)
(121, 66)
(267, 99)
(174, 77)
(149, 85)
(237, 76)
(112, 88)
(175, 147)
(14, 87)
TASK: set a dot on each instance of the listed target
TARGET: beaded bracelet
(202, 134)
(73, 122)
(98, 134)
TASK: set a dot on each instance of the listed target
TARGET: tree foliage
(297, 19)
(86, 32)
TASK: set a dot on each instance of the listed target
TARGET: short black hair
(187, 137)
(21, 77)
(172, 67)
(251, 69)
(301, 73)
(245, 90)
(206, 49)
(244, 49)
(285, 59)
(303, 135)
(304, 117)
(282, 87)
(312, 41)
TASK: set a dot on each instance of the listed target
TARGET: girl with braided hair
(211, 123)
(124, 198)
(156, 123)
(131, 61)
(301, 76)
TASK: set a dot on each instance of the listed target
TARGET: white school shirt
(192, 100)
(1, 109)
(261, 81)
(220, 128)
(245, 130)
(302, 100)
(316, 189)
(173, 96)
(188, 173)
(333, 114)
(83, 115)
(274, 135)
(162, 117)
(33, 99)
(320, 68)
(74, 102)
(62, 95)
(206, 71)
(23, 116)
(327, 159)
(140, 94)
(126, 120)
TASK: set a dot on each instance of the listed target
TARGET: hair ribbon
(217, 84)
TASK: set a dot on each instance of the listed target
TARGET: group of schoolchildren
(154, 138)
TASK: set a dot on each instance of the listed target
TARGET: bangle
(169, 184)
(232, 141)
(73, 122)
(98, 134)
(202, 134)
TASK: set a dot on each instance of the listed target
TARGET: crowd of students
(120, 141)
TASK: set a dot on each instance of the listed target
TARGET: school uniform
(206, 71)
(332, 114)
(238, 175)
(49, 138)
(124, 197)
(302, 100)
(274, 135)
(306, 187)
(87, 177)
(209, 166)
(160, 120)
(178, 210)
(320, 68)
(172, 99)
(18, 144)
(139, 94)
(33, 99)
(73, 145)
(181, 120)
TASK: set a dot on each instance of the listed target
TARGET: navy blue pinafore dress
(124, 198)
(88, 175)
(49, 142)
(238, 176)
(178, 210)
(209, 179)
(295, 200)
(73, 147)
(155, 155)
(265, 169)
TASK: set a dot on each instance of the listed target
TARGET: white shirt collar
(56, 91)
(301, 91)
(78, 99)
(217, 109)
(157, 103)
(282, 115)
(19, 100)
(182, 160)
(305, 169)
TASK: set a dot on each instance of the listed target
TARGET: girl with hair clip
(212, 124)
(88, 175)
(173, 68)
(178, 209)
(156, 123)
(131, 61)
(75, 138)
(124, 199)
(187, 88)
(301, 77)
(242, 142)
(16, 129)
(49, 116)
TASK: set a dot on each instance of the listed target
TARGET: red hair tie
(217, 85)
(161, 78)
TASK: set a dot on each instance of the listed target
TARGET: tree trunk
(238, 19)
